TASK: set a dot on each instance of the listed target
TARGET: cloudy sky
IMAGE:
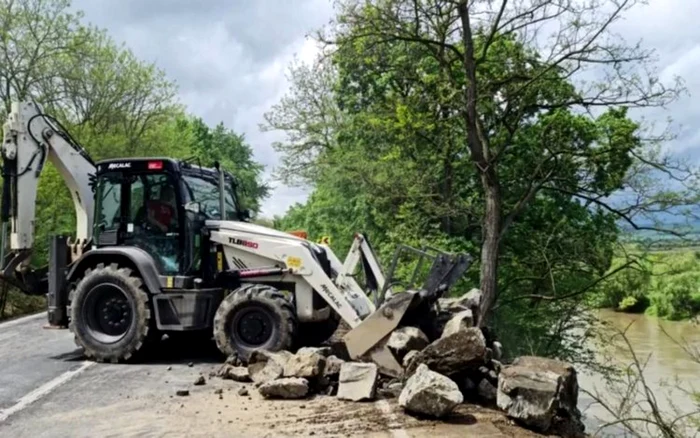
(229, 57)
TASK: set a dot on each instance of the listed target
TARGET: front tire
(254, 317)
(110, 314)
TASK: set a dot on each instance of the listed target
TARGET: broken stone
(408, 357)
(486, 391)
(182, 392)
(429, 393)
(390, 390)
(323, 351)
(288, 387)
(405, 339)
(191, 364)
(497, 350)
(307, 363)
(332, 368)
(264, 366)
(534, 389)
(357, 381)
(243, 392)
(496, 365)
(461, 321)
(452, 354)
(218, 391)
(230, 372)
(200, 381)
(469, 301)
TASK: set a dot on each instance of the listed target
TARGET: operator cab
(160, 205)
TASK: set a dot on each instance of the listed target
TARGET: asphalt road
(48, 389)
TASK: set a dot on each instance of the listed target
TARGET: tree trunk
(490, 243)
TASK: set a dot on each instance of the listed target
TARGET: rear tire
(110, 314)
(254, 317)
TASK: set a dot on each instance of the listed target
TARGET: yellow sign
(294, 262)
(219, 261)
(169, 282)
(325, 240)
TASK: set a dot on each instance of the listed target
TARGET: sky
(229, 59)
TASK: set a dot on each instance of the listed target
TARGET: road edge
(21, 319)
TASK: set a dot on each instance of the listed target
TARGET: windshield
(206, 192)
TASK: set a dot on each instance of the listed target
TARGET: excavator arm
(30, 137)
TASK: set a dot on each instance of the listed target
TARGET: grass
(19, 304)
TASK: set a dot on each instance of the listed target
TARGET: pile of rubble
(462, 365)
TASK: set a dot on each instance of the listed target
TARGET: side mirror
(193, 207)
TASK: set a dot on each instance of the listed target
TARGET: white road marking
(393, 425)
(42, 391)
(21, 320)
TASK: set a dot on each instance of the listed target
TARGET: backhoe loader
(163, 246)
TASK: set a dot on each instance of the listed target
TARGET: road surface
(48, 389)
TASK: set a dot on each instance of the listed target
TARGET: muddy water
(668, 366)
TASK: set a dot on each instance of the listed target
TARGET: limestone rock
(264, 366)
(486, 391)
(288, 387)
(323, 351)
(230, 372)
(306, 363)
(332, 369)
(534, 389)
(406, 339)
(408, 357)
(461, 321)
(357, 381)
(429, 393)
(452, 354)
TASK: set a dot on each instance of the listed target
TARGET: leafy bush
(677, 297)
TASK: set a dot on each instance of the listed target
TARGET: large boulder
(533, 390)
(288, 387)
(230, 372)
(452, 354)
(264, 366)
(429, 393)
(469, 301)
(460, 321)
(406, 339)
(357, 381)
(306, 363)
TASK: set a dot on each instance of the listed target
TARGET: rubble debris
(182, 392)
(460, 321)
(332, 368)
(451, 354)
(191, 364)
(496, 365)
(169, 368)
(486, 391)
(407, 358)
(323, 351)
(390, 389)
(218, 391)
(429, 393)
(233, 360)
(243, 392)
(469, 301)
(199, 381)
(405, 339)
(497, 348)
(264, 366)
(235, 373)
(286, 387)
(533, 390)
(357, 381)
(308, 363)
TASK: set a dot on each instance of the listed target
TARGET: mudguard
(129, 256)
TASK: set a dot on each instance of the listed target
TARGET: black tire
(254, 316)
(110, 314)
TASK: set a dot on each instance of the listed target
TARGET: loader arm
(30, 138)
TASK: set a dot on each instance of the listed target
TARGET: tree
(480, 83)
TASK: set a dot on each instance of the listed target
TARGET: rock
(169, 368)
(486, 391)
(199, 381)
(264, 366)
(452, 354)
(461, 321)
(497, 350)
(288, 387)
(496, 365)
(534, 389)
(230, 372)
(233, 360)
(357, 381)
(191, 364)
(407, 358)
(243, 392)
(469, 301)
(218, 391)
(182, 392)
(332, 369)
(323, 351)
(307, 363)
(429, 393)
(391, 390)
(405, 339)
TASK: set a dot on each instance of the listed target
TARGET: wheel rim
(252, 326)
(108, 313)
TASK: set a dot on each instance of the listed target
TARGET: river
(665, 360)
